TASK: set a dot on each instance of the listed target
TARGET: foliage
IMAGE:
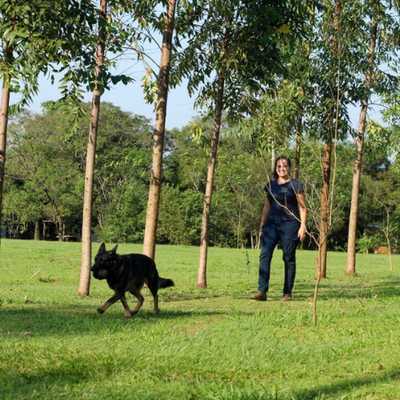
(274, 125)
(179, 216)
(51, 35)
(236, 40)
(47, 164)
(367, 244)
(47, 167)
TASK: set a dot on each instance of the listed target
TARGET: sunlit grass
(204, 344)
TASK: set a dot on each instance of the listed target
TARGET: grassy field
(204, 344)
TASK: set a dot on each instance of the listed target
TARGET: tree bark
(60, 228)
(202, 272)
(5, 102)
(149, 242)
(359, 143)
(84, 282)
(299, 129)
(325, 214)
(37, 230)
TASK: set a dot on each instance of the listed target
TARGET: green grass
(204, 344)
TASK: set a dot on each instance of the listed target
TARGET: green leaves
(238, 40)
(47, 163)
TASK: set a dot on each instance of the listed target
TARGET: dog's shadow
(176, 314)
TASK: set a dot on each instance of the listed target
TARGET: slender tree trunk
(84, 282)
(37, 230)
(202, 275)
(299, 129)
(359, 142)
(60, 228)
(316, 288)
(5, 102)
(149, 243)
(387, 235)
(325, 209)
(273, 157)
(325, 215)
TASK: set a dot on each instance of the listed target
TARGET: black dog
(127, 273)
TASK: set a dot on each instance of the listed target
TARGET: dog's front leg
(117, 296)
(140, 300)
(126, 307)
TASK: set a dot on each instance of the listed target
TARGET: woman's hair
(276, 164)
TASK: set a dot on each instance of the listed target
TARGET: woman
(283, 220)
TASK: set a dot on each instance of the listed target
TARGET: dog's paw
(100, 311)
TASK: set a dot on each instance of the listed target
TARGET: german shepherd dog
(127, 273)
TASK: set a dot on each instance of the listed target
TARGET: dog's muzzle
(99, 274)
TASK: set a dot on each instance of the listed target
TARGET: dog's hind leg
(153, 287)
(156, 310)
(140, 299)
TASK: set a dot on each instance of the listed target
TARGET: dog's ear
(114, 250)
(102, 248)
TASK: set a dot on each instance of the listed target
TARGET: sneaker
(260, 296)
(287, 297)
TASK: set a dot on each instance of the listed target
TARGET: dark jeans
(273, 232)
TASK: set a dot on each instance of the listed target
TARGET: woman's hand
(302, 233)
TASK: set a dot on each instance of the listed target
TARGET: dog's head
(106, 263)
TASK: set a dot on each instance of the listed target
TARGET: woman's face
(282, 169)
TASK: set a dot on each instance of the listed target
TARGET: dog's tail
(164, 283)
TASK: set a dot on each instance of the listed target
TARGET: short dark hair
(289, 163)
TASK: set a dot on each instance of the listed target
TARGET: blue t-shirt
(283, 201)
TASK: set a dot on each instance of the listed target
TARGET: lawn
(204, 344)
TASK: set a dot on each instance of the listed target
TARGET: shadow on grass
(56, 381)
(80, 320)
(338, 389)
(359, 288)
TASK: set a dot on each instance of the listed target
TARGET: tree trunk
(273, 157)
(299, 128)
(359, 142)
(149, 242)
(84, 282)
(202, 276)
(60, 228)
(37, 230)
(5, 102)
(325, 209)
(325, 215)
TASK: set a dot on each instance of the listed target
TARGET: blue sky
(129, 98)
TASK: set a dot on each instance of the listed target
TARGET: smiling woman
(283, 220)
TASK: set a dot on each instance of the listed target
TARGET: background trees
(46, 174)
(47, 161)
(36, 38)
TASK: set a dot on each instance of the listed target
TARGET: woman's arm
(264, 214)
(303, 215)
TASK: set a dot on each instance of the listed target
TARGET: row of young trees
(46, 173)
(287, 69)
